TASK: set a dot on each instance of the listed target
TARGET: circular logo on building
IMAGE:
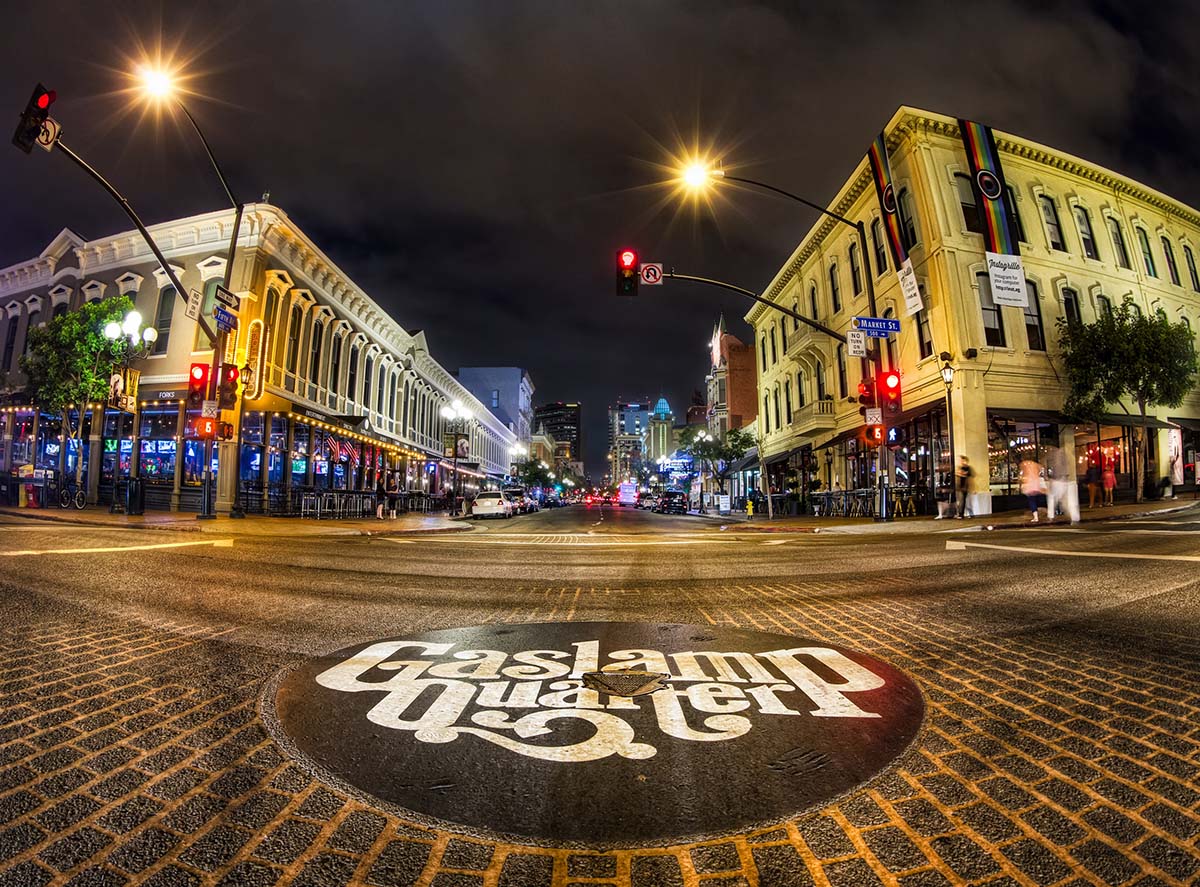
(989, 185)
(597, 733)
(889, 199)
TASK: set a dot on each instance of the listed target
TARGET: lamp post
(699, 175)
(127, 341)
(703, 438)
(516, 453)
(948, 378)
(458, 419)
(247, 379)
(159, 85)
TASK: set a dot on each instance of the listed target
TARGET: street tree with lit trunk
(1125, 357)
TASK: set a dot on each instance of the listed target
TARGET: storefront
(1183, 446)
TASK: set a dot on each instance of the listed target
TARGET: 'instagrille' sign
(498, 727)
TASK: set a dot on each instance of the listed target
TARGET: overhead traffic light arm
(756, 297)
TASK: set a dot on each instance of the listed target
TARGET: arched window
(972, 220)
(924, 334)
(855, 270)
(404, 406)
(776, 399)
(335, 364)
(61, 308)
(380, 388)
(766, 414)
(820, 373)
(993, 320)
(1053, 228)
(880, 249)
(293, 340)
(1071, 305)
(1169, 255)
(763, 350)
(314, 360)
(268, 319)
(1188, 258)
(783, 335)
(1118, 242)
(352, 375)
(800, 389)
(1084, 222)
(908, 219)
(368, 376)
(1034, 332)
(843, 390)
(162, 318)
(35, 317)
(774, 350)
(787, 400)
(835, 298)
(10, 342)
(1147, 256)
(812, 300)
(1134, 308)
(392, 396)
(796, 308)
(1103, 306)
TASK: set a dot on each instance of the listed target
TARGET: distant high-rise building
(563, 422)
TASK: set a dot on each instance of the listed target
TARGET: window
(1053, 229)
(1010, 200)
(924, 334)
(1188, 258)
(796, 310)
(61, 308)
(335, 364)
(1169, 254)
(820, 381)
(812, 300)
(766, 414)
(10, 341)
(352, 375)
(1118, 242)
(783, 335)
(380, 388)
(966, 201)
(1033, 319)
(763, 351)
(775, 397)
(392, 397)
(774, 350)
(800, 389)
(890, 341)
(162, 318)
(835, 297)
(1133, 307)
(841, 370)
(495, 397)
(855, 270)
(787, 400)
(1147, 256)
(35, 317)
(908, 219)
(993, 322)
(1084, 221)
(880, 249)
(368, 375)
(318, 336)
(1103, 306)
(1071, 310)
(293, 341)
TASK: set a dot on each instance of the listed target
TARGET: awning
(839, 438)
(778, 457)
(1039, 417)
(916, 412)
(1189, 424)
(1134, 420)
(748, 461)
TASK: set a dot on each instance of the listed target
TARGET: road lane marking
(952, 545)
(216, 543)
(572, 543)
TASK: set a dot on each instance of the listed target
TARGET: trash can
(135, 496)
(12, 491)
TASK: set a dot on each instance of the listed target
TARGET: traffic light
(224, 431)
(227, 386)
(874, 435)
(197, 386)
(889, 393)
(866, 392)
(627, 272)
(204, 428)
(35, 115)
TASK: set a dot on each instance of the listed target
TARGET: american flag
(349, 450)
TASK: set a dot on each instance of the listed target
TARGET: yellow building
(1090, 239)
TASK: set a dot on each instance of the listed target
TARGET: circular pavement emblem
(498, 729)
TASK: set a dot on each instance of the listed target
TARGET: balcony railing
(816, 415)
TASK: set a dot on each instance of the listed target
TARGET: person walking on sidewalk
(393, 495)
(1058, 491)
(1031, 486)
(962, 483)
(1092, 479)
(380, 497)
(1110, 481)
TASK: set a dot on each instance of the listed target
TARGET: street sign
(209, 409)
(877, 327)
(226, 298)
(51, 130)
(652, 273)
(856, 343)
(195, 300)
(874, 415)
(226, 322)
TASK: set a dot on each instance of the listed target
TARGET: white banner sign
(908, 286)
(856, 343)
(1007, 276)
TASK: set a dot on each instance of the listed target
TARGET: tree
(719, 454)
(69, 361)
(1123, 358)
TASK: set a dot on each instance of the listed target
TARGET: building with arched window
(1090, 239)
(332, 373)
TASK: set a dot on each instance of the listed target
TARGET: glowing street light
(697, 175)
(156, 83)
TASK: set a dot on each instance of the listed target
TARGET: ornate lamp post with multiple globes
(127, 341)
(458, 421)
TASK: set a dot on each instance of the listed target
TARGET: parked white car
(492, 504)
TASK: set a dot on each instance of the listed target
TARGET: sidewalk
(925, 524)
(251, 525)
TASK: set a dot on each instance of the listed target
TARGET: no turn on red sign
(652, 274)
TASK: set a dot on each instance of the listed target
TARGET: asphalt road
(1060, 669)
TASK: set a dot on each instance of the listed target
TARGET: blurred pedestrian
(1092, 479)
(1058, 486)
(380, 497)
(1109, 479)
(393, 495)
(962, 482)
(1031, 486)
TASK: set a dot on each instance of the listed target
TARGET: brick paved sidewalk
(131, 755)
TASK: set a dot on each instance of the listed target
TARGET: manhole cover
(491, 728)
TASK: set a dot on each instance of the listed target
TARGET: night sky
(474, 166)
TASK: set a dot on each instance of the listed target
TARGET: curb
(31, 514)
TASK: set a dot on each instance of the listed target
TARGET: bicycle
(72, 494)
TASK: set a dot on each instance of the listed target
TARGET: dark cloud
(473, 165)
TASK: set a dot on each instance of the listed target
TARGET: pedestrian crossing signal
(204, 428)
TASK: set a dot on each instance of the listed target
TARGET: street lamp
(159, 85)
(127, 341)
(948, 378)
(458, 419)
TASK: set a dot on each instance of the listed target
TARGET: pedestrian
(1058, 488)
(749, 509)
(1092, 479)
(943, 497)
(1109, 479)
(1031, 486)
(380, 497)
(962, 480)
(393, 495)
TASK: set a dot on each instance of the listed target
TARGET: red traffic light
(46, 99)
(231, 373)
(891, 381)
(199, 371)
(627, 258)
